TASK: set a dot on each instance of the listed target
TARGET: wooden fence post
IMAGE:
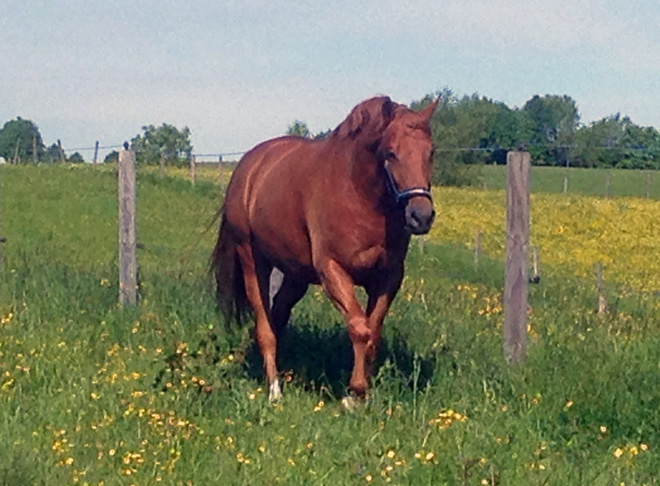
(96, 152)
(421, 241)
(514, 330)
(61, 150)
(18, 141)
(127, 231)
(477, 249)
(162, 166)
(536, 275)
(193, 170)
(600, 288)
(608, 185)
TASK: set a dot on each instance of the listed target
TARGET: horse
(337, 212)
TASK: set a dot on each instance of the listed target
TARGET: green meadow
(586, 182)
(166, 393)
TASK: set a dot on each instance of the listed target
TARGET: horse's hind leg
(256, 272)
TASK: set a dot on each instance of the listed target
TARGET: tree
(471, 130)
(615, 141)
(162, 144)
(554, 121)
(52, 154)
(450, 166)
(299, 129)
(111, 157)
(76, 158)
(18, 140)
(323, 134)
(554, 118)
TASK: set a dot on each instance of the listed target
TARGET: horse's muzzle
(419, 219)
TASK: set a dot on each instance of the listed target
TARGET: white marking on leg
(349, 403)
(275, 392)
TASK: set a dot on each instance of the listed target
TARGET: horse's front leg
(338, 285)
(381, 295)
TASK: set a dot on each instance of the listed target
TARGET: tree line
(21, 142)
(547, 126)
(468, 131)
(474, 129)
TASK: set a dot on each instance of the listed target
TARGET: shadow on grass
(322, 360)
(317, 359)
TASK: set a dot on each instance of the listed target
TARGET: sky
(239, 72)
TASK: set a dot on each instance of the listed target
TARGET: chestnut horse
(337, 212)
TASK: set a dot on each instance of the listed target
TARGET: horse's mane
(368, 119)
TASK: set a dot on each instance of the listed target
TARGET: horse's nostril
(423, 217)
(419, 219)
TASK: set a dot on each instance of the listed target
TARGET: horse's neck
(366, 175)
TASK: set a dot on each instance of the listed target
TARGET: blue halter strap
(406, 193)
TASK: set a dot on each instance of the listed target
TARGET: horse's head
(406, 152)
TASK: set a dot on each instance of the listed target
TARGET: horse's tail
(228, 272)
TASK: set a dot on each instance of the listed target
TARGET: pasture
(165, 394)
(586, 182)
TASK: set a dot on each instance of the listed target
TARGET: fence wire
(219, 156)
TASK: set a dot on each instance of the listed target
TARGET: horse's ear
(388, 110)
(427, 112)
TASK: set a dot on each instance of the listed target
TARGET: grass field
(164, 394)
(585, 182)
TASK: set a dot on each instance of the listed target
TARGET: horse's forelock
(369, 118)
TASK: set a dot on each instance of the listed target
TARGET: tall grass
(92, 394)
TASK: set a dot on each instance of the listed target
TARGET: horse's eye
(389, 155)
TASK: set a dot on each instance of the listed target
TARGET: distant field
(91, 394)
(586, 182)
(573, 232)
(205, 172)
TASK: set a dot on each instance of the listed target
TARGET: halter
(406, 193)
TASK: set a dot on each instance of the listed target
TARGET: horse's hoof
(275, 392)
(349, 403)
